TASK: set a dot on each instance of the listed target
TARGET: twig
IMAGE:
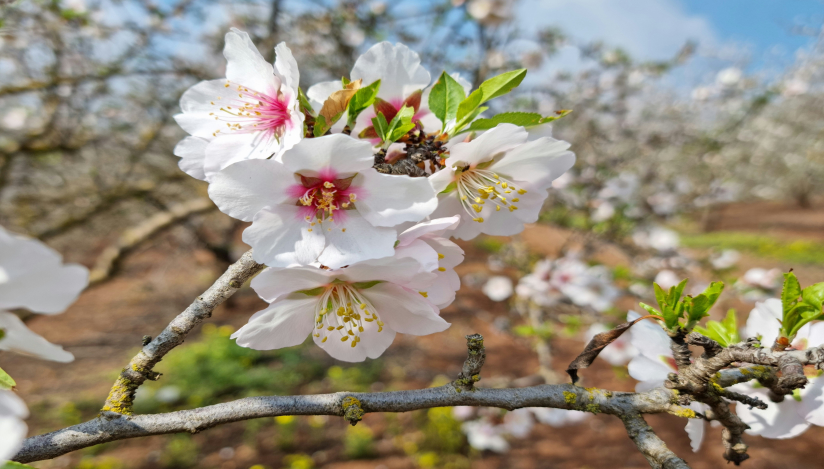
(648, 443)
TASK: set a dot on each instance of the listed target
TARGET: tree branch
(140, 368)
(648, 443)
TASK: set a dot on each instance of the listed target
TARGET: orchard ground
(105, 326)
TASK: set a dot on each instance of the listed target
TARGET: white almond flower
(498, 288)
(252, 114)
(425, 242)
(12, 428)
(352, 313)
(324, 203)
(33, 276)
(498, 181)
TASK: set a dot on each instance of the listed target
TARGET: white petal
(492, 143)
(764, 321)
(452, 253)
(421, 252)
(695, 427)
(441, 292)
(19, 338)
(245, 188)
(275, 282)
(34, 276)
(228, 149)
(398, 67)
(361, 241)
(538, 162)
(498, 288)
(12, 428)
(280, 237)
(558, 417)
(649, 338)
(428, 228)
(403, 271)
(341, 153)
(644, 368)
(391, 200)
(778, 420)
(196, 104)
(192, 153)
(245, 65)
(449, 205)
(815, 336)
(287, 67)
(442, 179)
(811, 407)
(404, 311)
(285, 323)
(372, 344)
(319, 93)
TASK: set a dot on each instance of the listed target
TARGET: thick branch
(140, 368)
(111, 426)
(652, 447)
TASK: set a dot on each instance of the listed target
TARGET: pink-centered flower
(323, 203)
(33, 276)
(794, 415)
(252, 114)
(352, 313)
(498, 181)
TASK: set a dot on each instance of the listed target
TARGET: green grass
(799, 251)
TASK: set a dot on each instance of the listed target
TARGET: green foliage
(699, 306)
(397, 128)
(444, 99)
(799, 306)
(359, 442)
(6, 381)
(489, 244)
(180, 452)
(523, 119)
(354, 378)
(724, 332)
(216, 369)
(492, 88)
(361, 100)
(102, 463)
(796, 252)
(673, 307)
(304, 102)
(442, 432)
(320, 126)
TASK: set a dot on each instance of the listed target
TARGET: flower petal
(245, 65)
(695, 427)
(12, 412)
(442, 179)
(281, 237)
(320, 92)
(492, 143)
(403, 271)
(764, 320)
(643, 368)
(20, 339)
(397, 66)
(453, 255)
(245, 188)
(449, 205)
(538, 162)
(275, 282)
(395, 199)
(228, 149)
(405, 311)
(196, 104)
(421, 252)
(811, 407)
(286, 67)
(361, 241)
(341, 153)
(285, 323)
(428, 228)
(192, 153)
(649, 338)
(371, 345)
(779, 420)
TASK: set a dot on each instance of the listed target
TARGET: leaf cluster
(799, 306)
(673, 307)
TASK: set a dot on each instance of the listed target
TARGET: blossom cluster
(354, 188)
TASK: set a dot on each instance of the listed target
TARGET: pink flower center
(324, 198)
(253, 111)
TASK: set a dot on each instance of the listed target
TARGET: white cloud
(646, 29)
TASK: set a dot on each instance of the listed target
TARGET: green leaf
(700, 305)
(675, 292)
(660, 296)
(304, 102)
(501, 84)
(381, 126)
(523, 119)
(724, 332)
(467, 107)
(814, 295)
(650, 309)
(401, 124)
(671, 317)
(713, 291)
(362, 100)
(345, 81)
(790, 292)
(558, 115)
(6, 381)
(14, 465)
(320, 126)
(445, 97)
(313, 291)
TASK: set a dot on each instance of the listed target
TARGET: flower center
(476, 187)
(324, 198)
(341, 313)
(252, 111)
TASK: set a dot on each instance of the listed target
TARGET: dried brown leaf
(335, 105)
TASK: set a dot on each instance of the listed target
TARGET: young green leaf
(304, 103)
(724, 332)
(651, 310)
(558, 115)
(445, 97)
(6, 381)
(814, 295)
(700, 305)
(523, 119)
(676, 292)
(381, 126)
(501, 84)
(467, 107)
(362, 100)
(660, 296)
(401, 124)
(320, 126)
(790, 292)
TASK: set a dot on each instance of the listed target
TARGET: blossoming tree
(353, 190)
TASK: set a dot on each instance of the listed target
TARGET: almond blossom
(498, 181)
(352, 313)
(33, 276)
(653, 363)
(795, 413)
(12, 428)
(568, 279)
(252, 114)
(323, 203)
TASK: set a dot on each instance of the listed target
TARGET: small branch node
(471, 371)
(352, 410)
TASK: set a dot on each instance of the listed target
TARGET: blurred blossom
(795, 87)
(490, 12)
(617, 353)
(352, 35)
(532, 59)
(726, 259)
(498, 288)
(168, 394)
(495, 59)
(660, 239)
(729, 77)
(623, 187)
(635, 78)
(483, 435)
(603, 211)
(377, 8)
(702, 93)
(558, 417)
(518, 422)
(568, 279)
(667, 279)
(463, 412)
(763, 278)
(78, 6)
(15, 118)
(663, 203)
